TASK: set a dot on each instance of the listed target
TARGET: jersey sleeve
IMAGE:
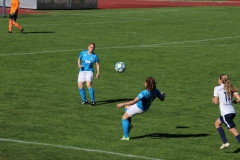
(215, 93)
(96, 59)
(140, 95)
(158, 93)
(80, 55)
(235, 93)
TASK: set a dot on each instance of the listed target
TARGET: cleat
(21, 31)
(9, 31)
(92, 103)
(125, 139)
(225, 145)
(83, 103)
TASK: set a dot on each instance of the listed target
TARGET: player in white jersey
(139, 105)
(223, 95)
(86, 59)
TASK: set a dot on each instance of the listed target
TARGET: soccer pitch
(185, 49)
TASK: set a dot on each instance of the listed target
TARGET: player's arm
(13, 10)
(162, 97)
(79, 63)
(98, 70)
(236, 95)
(215, 100)
(128, 103)
(14, 7)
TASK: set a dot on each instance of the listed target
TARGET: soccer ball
(120, 67)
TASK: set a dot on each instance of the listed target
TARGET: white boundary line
(122, 47)
(77, 148)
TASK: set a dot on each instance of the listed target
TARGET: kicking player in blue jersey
(86, 60)
(139, 105)
(223, 95)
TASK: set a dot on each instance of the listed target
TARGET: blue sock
(91, 93)
(125, 125)
(238, 138)
(130, 120)
(222, 135)
(82, 94)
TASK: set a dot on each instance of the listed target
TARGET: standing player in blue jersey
(224, 94)
(86, 60)
(139, 105)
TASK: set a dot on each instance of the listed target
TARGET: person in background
(139, 105)
(13, 16)
(223, 95)
(86, 60)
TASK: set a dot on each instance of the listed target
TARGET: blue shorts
(228, 120)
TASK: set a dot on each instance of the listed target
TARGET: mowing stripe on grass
(76, 148)
(73, 24)
(122, 47)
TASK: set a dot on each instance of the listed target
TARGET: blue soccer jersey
(146, 98)
(87, 60)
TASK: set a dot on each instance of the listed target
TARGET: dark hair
(92, 44)
(151, 84)
(227, 84)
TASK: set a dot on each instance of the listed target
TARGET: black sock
(222, 135)
(238, 138)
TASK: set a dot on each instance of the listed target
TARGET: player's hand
(119, 105)
(97, 76)
(12, 14)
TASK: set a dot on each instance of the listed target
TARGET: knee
(89, 86)
(80, 85)
(125, 116)
(217, 125)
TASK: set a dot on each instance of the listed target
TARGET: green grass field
(184, 49)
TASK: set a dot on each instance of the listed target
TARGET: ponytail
(227, 85)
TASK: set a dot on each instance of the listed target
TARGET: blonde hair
(227, 85)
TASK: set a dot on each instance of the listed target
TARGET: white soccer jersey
(225, 101)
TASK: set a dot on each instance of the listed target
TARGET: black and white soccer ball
(120, 67)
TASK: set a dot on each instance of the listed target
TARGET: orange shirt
(14, 6)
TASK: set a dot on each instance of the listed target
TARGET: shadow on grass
(236, 151)
(166, 135)
(37, 32)
(182, 127)
(112, 101)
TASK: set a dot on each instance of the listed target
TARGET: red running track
(111, 4)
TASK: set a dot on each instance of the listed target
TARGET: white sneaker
(225, 145)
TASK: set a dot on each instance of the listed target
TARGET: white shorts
(133, 110)
(85, 76)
